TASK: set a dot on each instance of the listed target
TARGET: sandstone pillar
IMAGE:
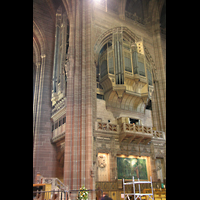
(78, 161)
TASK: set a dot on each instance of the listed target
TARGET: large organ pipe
(116, 64)
(121, 64)
(118, 59)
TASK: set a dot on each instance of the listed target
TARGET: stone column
(78, 160)
(159, 101)
(35, 103)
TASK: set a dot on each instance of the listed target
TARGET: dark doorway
(135, 121)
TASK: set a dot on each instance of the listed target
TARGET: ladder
(138, 195)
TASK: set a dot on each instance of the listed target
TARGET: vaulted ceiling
(135, 6)
(163, 16)
(142, 8)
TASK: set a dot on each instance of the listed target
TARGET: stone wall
(113, 113)
(88, 23)
(153, 42)
(112, 148)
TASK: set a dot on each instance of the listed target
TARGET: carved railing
(114, 128)
(107, 127)
(58, 133)
(135, 128)
(59, 105)
(59, 130)
(131, 128)
(159, 134)
(124, 127)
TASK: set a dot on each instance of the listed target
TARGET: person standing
(105, 196)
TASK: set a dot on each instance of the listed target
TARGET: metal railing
(55, 183)
(58, 194)
(50, 195)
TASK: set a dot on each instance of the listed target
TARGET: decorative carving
(58, 105)
(101, 161)
(134, 17)
(122, 146)
(120, 89)
(145, 150)
(150, 92)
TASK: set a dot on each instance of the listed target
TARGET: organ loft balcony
(125, 74)
(131, 133)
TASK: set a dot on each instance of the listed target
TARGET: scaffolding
(138, 195)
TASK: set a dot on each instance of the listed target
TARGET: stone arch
(38, 53)
(36, 49)
(68, 7)
(160, 6)
(127, 34)
(38, 37)
(107, 36)
(34, 77)
(154, 13)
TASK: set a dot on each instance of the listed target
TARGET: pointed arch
(129, 36)
(107, 36)
(155, 17)
(38, 33)
(160, 6)
(36, 49)
(68, 7)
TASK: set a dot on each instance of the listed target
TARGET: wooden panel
(113, 195)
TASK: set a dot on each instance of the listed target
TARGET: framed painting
(129, 167)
